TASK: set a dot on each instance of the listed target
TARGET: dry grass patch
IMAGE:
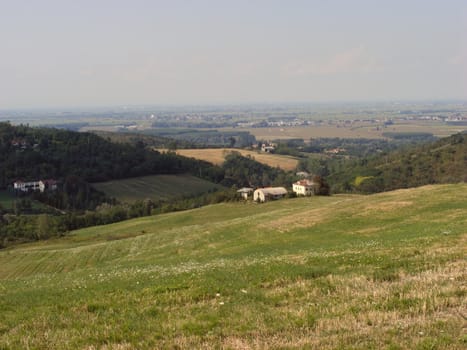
(217, 156)
(301, 219)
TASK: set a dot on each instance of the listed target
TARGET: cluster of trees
(206, 138)
(245, 171)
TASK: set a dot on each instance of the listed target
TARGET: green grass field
(385, 271)
(7, 199)
(156, 187)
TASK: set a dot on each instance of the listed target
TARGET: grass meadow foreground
(385, 271)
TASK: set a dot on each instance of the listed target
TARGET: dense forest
(40, 153)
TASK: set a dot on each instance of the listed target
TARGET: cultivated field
(386, 271)
(365, 130)
(156, 187)
(217, 156)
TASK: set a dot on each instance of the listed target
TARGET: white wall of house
(34, 186)
(263, 194)
(26, 186)
(302, 189)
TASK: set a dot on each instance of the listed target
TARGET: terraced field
(155, 187)
(386, 271)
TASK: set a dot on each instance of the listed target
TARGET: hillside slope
(443, 161)
(380, 271)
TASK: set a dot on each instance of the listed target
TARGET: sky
(111, 52)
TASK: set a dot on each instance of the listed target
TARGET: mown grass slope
(360, 272)
(156, 187)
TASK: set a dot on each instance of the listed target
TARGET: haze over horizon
(66, 53)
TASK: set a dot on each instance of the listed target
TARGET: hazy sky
(110, 52)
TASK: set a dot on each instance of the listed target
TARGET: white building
(304, 187)
(26, 186)
(245, 192)
(32, 186)
(264, 194)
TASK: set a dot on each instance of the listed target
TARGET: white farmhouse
(303, 187)
(26, 186)
(31, 186)
(264, 194)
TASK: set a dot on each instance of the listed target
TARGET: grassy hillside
(155, 187)
(385, 271)
(217, 156)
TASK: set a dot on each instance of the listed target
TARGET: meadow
(155, 187)
(217, 156)
(386, 271)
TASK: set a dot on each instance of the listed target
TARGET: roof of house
(273, 190)
(245, 190)
(304, 182)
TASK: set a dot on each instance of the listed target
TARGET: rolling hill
(347, 271)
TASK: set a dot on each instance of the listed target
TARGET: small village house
(26, 186)
(265, 194)
(303, 187)
(31, 186)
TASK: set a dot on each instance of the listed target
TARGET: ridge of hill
(347, 271)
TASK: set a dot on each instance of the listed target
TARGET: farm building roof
(245, 190)
(273, 190)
